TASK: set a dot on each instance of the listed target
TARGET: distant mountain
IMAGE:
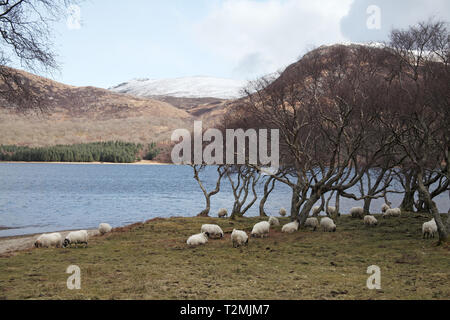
(189, 87)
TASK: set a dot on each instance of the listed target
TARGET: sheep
(316, 211)
(274, 221)
(104, 228)
(331, 211)
(357, 213)
(290, 227)
(397, 212)
(429, 229)
(213, 230)
(76, 237)
(327, 225)
(49, 240)
(198, 239)
(223, 213)
(312, 223)
(370, 221)
(283, 212)
(385, 207)
(261, 229)
(239, 238)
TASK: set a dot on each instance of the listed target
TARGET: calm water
(37, 198)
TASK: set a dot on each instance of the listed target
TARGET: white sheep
(385, 207)
(327, 225)
(290, 227)
(331, 211)
(283, 212)
(370, 221)
(49, 240)
(357, 212)
(316, 211)
(223, 213)
(397, 212)
(429, 229)
(261, 229)
(76, 237)
(198, 239)
(274, 221)
(104, 228)
(312, 223)
(213, 230)
(239, 238)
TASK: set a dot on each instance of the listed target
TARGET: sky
(104, 43)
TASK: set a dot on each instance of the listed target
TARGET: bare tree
(269, 186)
(246, 180)
(221, 172)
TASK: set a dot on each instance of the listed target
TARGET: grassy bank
(152, 261)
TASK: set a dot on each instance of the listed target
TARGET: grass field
(152, 261)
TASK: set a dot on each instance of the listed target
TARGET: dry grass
(152, 261)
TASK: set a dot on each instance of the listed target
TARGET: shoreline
(139, 163)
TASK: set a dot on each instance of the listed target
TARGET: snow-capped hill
(189, 87)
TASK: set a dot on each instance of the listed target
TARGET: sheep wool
(283, 212)
(198, 239)
(429, 229)
(261, 229)
(385, 207)
(316, 211)
(104, 228)
(76, 237)
(222, 213)
(327, 225)
(370, 221)
(331, 211)
(290, 227)
(274, 221)
(49, 240)
(213, 230)
(397, 212)
(312, 223)
(239, 238)
(357, 213)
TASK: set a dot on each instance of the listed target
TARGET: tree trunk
(294, 203)
(205, 212)
(407, 204)
(338, 202)
(367, 202)
(267, 191)
(306, 209)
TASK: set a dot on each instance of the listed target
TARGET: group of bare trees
(366, 118)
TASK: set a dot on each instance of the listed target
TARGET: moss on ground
(152, 261)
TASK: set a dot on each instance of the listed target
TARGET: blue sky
(241, 39)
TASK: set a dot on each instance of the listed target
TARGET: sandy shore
(139, 163)
(19, 243)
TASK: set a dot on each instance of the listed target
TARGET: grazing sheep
(331, 211)
(223, 213)
(385, 207)
(76, 237)
(104, 228)
(283, 212)
(316, 211)
(49, 240)
(274, 221)
(312, 223)
(429, 229)
(327, 225)
(213, 230)
(239, 238)
(290, 227)
(198, 239)
(261, 229)
(357, 213)
(397, 212)
(370, 221)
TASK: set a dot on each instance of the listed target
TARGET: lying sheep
(327, 225)
(49, 240)
(397, 212)
(198, 239)
(290, 227)
(357, 213)
(370, 221)
(312, 223)
(239, 238)
(261, 229)
(385, 207)
(429, 229)
(283, 212)
(274, 221)
(76, 237)
(213, 230)
(104, 228)
(223, 213)
(316, 211)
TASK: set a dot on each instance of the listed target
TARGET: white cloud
(276, 32)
